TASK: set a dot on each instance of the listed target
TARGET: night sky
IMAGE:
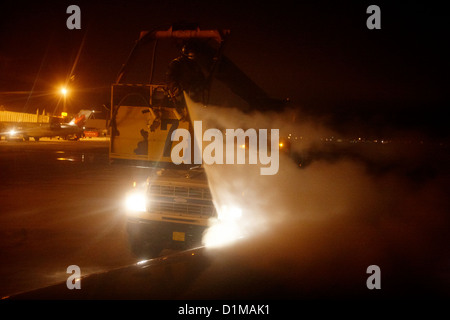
(319, 55)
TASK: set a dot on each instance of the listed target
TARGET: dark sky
(320, 55)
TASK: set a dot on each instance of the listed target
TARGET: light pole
(64, 93)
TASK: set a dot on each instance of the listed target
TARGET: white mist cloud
(331, 220)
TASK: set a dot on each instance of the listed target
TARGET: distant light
(12, 132)
(63, 114)
(66, 159)
(281, 144)
(64, 91)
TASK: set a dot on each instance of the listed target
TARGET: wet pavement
(60, 205)
(61, 201)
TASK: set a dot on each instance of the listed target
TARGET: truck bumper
(164, 235)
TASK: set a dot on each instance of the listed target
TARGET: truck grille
(181, 200)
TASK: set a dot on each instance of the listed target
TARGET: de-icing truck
(169, 206)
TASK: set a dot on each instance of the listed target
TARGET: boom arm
(148, 36)
(211, 59)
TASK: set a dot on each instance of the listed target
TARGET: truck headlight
(136, 201)
(222, 234)
(226, 229)
(229, 213)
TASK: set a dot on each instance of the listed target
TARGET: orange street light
(64, 92)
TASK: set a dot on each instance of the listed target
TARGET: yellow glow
(281, 144)
(136, 202)
(63, 114)
(63, 91)
(226, 230)
(222, 234)
(229, 213)
(65, 159)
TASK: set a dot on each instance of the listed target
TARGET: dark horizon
(320, 56)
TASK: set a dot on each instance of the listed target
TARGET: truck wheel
(36, 139)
